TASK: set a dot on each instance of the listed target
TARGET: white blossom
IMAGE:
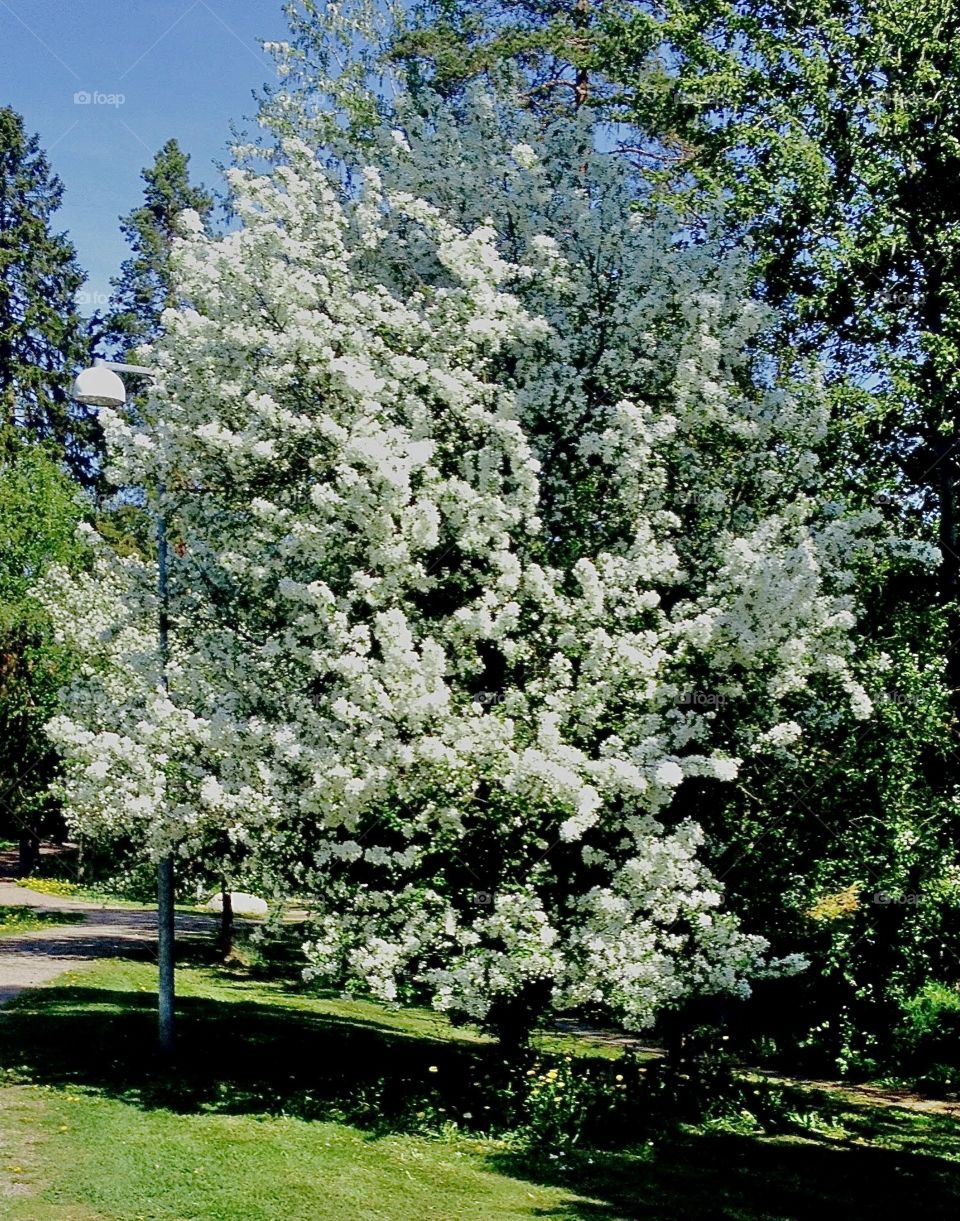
(441, 439)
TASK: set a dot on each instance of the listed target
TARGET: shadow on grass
(252, 1057)
(241, 1057)
(710, 1177)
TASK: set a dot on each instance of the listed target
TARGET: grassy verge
(59, 888)
(96, 1158)
(287, 1106)
(14, 920)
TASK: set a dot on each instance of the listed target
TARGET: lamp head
(99, 387)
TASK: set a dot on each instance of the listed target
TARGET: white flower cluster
(470, 478)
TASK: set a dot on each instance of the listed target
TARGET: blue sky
(183, 68)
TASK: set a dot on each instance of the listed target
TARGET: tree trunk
(513, 1019)
(225, 937)
(950, 563)
(581, 21)
(514, 1042)
(29, 851)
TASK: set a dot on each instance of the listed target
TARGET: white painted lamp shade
(99, 387)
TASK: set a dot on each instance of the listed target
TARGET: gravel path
(106, 932)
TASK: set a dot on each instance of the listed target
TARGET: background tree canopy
(40, 509)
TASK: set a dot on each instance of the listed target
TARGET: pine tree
(42, 336)
(143, 290)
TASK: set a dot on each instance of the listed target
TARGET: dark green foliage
(40, 508)
(144, 288)
(929, 1035)
(554, 45)
(863, 807)
(42, 337)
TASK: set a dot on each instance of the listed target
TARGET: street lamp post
(102, 386)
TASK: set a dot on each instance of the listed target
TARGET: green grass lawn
(97, 1157)
(14, 920)
(283, 1105)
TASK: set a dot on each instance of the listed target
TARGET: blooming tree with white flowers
(471, 477)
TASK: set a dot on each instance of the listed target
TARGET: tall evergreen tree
(42, 336)
(143, 290)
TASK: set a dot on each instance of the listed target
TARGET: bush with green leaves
(40, 508)
(929, 1036)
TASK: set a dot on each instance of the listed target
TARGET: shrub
(930, 1036)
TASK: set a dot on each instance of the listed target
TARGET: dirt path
(106, 932)
(876, 1095)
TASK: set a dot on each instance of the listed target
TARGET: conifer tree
(42, 336)
(143, 290)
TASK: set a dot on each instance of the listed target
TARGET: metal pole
(114, 395)
(165, 940)
(165, 925)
